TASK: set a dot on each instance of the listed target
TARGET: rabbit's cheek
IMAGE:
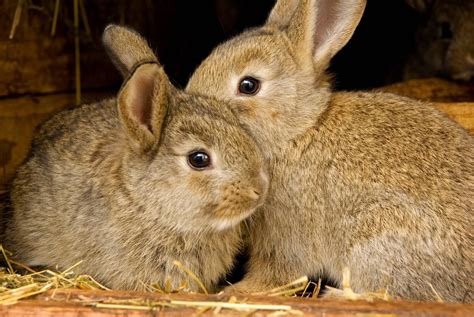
(247, 108)
(199, 182)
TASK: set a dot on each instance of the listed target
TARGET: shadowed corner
(5, 157)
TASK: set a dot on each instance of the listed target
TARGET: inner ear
(140, 99)
(320, 28)
(143, 103)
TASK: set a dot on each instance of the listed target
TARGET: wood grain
(461, 112)
(65, 303)
(433, 89)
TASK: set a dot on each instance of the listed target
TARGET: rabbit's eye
(249, 86)
(199, 160)
(445, 31)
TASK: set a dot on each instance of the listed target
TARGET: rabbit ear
(142, 104)
(282, 13)
(419, 5)
(126, 48)
(318, 28)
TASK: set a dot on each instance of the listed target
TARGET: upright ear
(126, 48)
(142, 104)
(419, 5)
(317, 28)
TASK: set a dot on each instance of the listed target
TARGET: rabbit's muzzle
(241, 199)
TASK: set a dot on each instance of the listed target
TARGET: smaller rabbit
(129, 185)
(444, 40)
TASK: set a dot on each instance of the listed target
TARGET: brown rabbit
(375, 182)
(129, 185)
(444, 40)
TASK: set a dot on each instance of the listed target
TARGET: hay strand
(191, 275)
(438, 298)
(245, 307)
(288, 289)
(55, 17)
(10, 268)
(14, 286)
(348, 293)
(16, 18)
(84, 18)
(77, 52)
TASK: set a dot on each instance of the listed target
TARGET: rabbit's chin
(208, 223)
(229, 222)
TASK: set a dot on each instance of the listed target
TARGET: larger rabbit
(375, 182)
(129, 185)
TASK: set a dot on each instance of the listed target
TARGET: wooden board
(433, 89)
(33, 61)
(461, 112)
(68, 303)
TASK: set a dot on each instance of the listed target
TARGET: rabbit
(131, 184)
(374, 182)
(444, 40)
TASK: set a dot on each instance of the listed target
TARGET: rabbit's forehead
(257, 56)
(249, 51)
(206, 129)
(189, 104)
(457, 12)
(227, 144)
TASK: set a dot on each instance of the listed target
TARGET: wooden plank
(433, 89)
(461, 112)
(36, 62)
(72, 303)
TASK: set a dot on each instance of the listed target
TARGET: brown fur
(108, 184)
(376, 182)
(436, 54)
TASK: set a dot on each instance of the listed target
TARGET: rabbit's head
(445, 38)
(189, 163)
(274, 76)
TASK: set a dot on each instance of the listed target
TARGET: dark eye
(199, 160)
(249, 86)
(445, 31)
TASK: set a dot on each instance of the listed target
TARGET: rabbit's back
(392, 183)
(54, 189)
(400, 143)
